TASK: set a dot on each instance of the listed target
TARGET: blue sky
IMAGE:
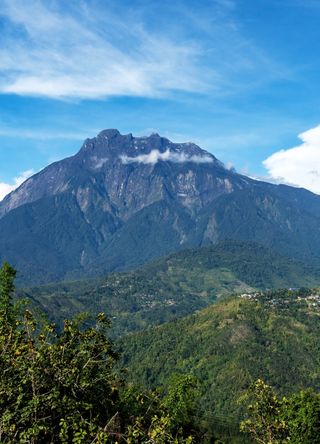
(238, 77)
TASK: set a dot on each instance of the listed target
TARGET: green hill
(173, 287)
(274, 336)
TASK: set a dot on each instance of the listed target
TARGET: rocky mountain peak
(109, 133)
(111, 145)
(112, 156)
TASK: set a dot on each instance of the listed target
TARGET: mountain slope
(122, 201)
(230, 344)
(174, 286)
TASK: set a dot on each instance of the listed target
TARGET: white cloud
(98, 49)
(300, 165)
(97, 162)
(169, 156)
(6, 188)
(57, 54)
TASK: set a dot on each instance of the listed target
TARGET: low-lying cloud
(299, 165)
(97, 162)
(6, 188)
(167, 156)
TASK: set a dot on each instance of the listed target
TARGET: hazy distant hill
(174, 286)
(122, 201)
(230, 344)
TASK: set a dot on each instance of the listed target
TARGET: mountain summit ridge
(124, 200)
(112, 141)
(108, 147)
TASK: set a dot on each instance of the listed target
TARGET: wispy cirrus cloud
(300, 165)
(94, 50)
(6, 188)
(63, 54)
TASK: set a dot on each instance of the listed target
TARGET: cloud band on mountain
(167, 156)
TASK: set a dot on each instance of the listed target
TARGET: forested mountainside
(62, 384)
(272, 336)
(174, 286)
(122, 201)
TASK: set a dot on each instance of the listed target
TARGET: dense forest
(272, 336)
(172, 287)
(200, 377)
(62, 387)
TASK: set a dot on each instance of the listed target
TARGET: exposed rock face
(121, 201)
(127, 173)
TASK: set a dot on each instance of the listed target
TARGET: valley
(172, 287)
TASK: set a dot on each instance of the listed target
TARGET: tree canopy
(61, 386)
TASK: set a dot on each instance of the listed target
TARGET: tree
(293, 420)
(301, 412)
(56, 387)
(265, 423)
(7, 276)
(61, 386)
(180, 400)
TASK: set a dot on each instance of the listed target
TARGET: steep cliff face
(122, 200)
(125, 174)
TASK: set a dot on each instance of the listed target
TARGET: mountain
(227, 346)
(172, 287)
(122, 201)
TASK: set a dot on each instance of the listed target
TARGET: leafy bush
(61, 387)
(274, 420)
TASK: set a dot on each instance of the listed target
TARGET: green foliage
(301, 412)
(56, 385)
(228, 346)
(274, 420)
(172, 287)
(7, 276)
(265, 424)
(62, 384)
(61, 387)
(181, 400)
